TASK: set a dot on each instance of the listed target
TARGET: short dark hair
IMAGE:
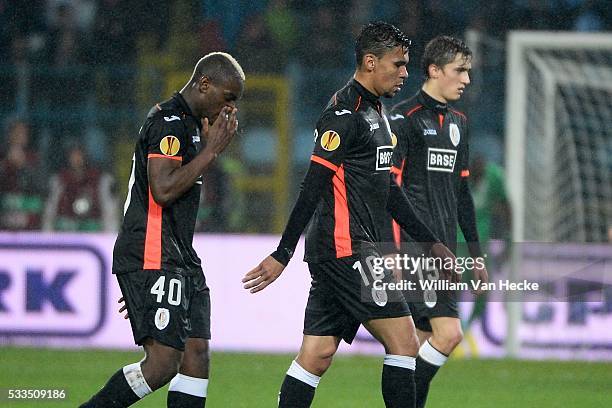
(378, 38)
(443, 50)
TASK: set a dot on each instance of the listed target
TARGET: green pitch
(252, 380)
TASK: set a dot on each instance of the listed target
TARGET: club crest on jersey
(455, 136)
(383, 157)
(441, 159)
(330, 140)
(170, 145)
(393, 139)
(162, 318)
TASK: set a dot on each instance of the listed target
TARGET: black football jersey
(352, 138)
(151, 236)
(429, 162)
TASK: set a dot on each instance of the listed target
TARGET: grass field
(252, 380)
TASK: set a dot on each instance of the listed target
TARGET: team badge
(430, 298)
(455, 136)
(393, 140)
(162, 318)
(380, 297)
(170, 145)
(330, 141)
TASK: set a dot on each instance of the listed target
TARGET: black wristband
(282, 255)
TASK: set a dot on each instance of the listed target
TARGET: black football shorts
(343, 295)
(427, 303)
(166, 306)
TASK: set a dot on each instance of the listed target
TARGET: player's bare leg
(423, 336)
(398, 336)
(314, 358)
(436, 346)
(160, 364)
(135, 381)
(189, 387)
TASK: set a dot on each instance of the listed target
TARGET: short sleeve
(333, 137)
(167, 137)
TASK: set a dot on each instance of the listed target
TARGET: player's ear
(369, 62)
(434, 71)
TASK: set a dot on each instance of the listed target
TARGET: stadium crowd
(69, 69)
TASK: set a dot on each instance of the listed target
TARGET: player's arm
(169, 179)
(317, 177)
(466, 217)
(401, 209)
(331, 141)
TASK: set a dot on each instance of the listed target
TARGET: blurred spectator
(282, 25)
(211, 214)
(492, 221)
(537, 15)
(15, 77)
(232, 16)
(327, 29)
(84, 12)
(211, 39)
(256, 49)
(490, 200)
(66, 43)
(446, 21)
(81, 198)
(21, 181)
(322, 57)
(114, 50)
(589, 17)
(65, 79)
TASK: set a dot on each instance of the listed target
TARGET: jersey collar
(182, 103)
(365, 94)
(431, 103)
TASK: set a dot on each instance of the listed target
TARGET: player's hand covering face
(221, 133)
(263, 274)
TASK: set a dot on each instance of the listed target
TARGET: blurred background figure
(65, 81)
(492, 222)
(81, 197)
(21, 181)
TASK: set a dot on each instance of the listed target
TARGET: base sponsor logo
(383, 157)
(441, 160)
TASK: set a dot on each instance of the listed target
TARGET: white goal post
(558, 141)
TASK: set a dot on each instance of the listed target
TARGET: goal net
(558, 151)
(559, 136)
